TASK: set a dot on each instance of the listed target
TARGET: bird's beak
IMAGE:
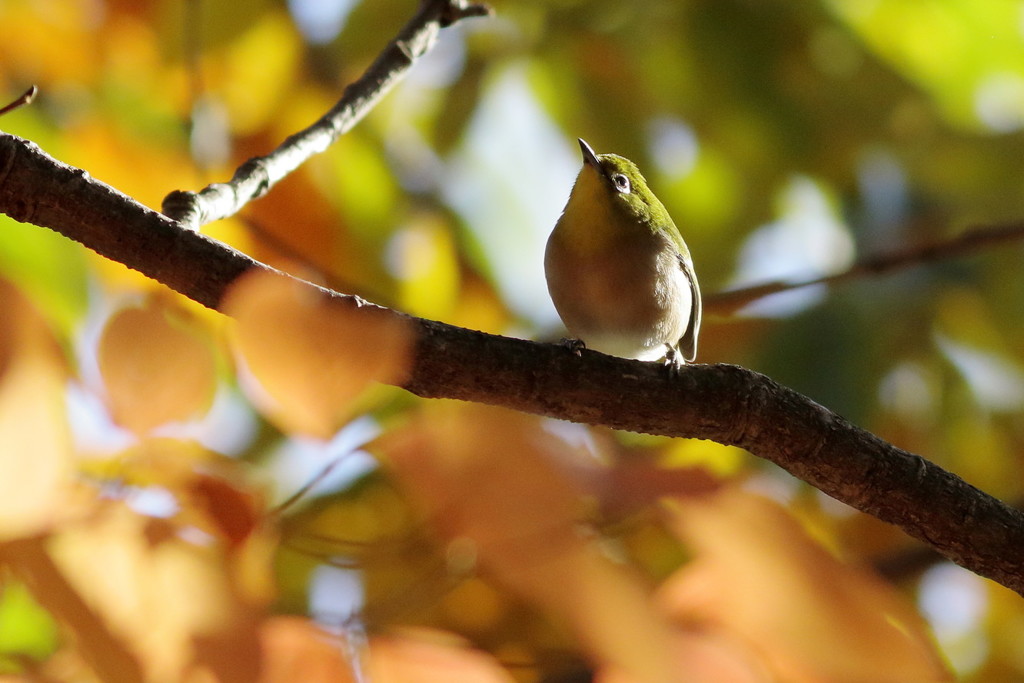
(588, 155)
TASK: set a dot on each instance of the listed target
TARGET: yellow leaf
(427, 267)
(259, 69)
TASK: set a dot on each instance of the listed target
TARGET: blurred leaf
(424, 657)
(36, 458)
(217, 23)
(370, 25)
(706, 657)
(962, 75)
(312, 355)
(722, 460)
(362, 187)
(458, 108)
(297, 222)
(296, 649)
(32, 31)
(235, 512)
(259, 70)
(26, 629)
(138, 596)
(708, 198)
(491, 480)
(48, 268)
(124, 160)
(758, 578)
(157, 367)
(424, 255)
(153, 461)
(100, 649)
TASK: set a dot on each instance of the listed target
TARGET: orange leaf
(499, 484)
(35, 460)
(235, 512)
(156, 367)
(431, 657)
(760, 577)
(707, 656)
(296, 649)
(170, 606)
(312, 355)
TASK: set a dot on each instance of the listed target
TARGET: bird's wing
(688, 342)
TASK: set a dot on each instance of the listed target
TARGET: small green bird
(617, 268)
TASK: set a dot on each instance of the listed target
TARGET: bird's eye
(621, 183)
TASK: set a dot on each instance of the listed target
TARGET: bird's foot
(574, 345)
(673, 360)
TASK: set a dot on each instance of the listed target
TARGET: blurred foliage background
(786, 139)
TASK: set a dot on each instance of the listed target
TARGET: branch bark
(723, 403)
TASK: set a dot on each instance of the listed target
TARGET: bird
(617, 268)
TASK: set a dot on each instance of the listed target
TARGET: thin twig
(25, 98)
(309, 485)
(256, 176)
(973, 239)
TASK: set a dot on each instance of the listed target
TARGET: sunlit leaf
(492, 481)
(153, 461)
(124, 160)
(427, 266)
(759, 578)
(424, 657)
(706, 656)
(143, 601)
(35, 460)
(905, 33)
(362, 187)
(312, 355)
(48, 268)
(296, 649)
(25, 628)
(32, 32)
(234, 512)
(157, 367)
(259, 70)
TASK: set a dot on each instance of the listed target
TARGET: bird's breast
(628, 298)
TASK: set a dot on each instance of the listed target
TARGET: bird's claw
(574, 345)
(673, 360)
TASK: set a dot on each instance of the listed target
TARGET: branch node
(460, 9)
(182, 207)
(255, 168)
(25, 98)
(404, 48)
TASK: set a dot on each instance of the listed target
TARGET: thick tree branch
(723, 403)
(254, 178)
